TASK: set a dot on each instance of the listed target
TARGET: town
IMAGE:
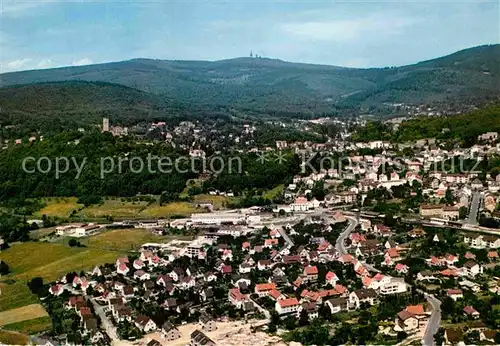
(335, 249)
(249, 173)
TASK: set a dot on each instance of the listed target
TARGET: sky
(49, 33)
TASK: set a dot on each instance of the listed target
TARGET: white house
(362, 296)
(394, 286)
(287, 306)
(145, 324)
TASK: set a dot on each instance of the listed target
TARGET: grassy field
(33, 326)
(122, 209)
(217, 201)
(24, 313)
(13, 338)
(115, 208)
(60, 207)
(170, 209)
(42, 232)
(124, 239)
(19, 308)
(274, 192)
(56, 259)
(15, 295)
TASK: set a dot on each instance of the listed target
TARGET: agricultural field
(24, 313)
(184, 209)
(52, 260)
(123, 239)
(116, 208)
(217, 201)
(33, 326)
(15, 294)
(13, 338)
(119, 208)
(60, 207)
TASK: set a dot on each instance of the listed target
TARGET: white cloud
(17, 64)
(17, 8)
(84, 61)
(45, 63)
(349, 30)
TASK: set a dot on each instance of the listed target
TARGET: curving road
(434, 320)
(340, 244)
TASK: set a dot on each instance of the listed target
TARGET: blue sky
(49, 33)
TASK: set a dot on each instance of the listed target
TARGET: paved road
(340, 244)
(474, 207)
(370, 267)
(434, 320)
(106, 323)
(285, 236)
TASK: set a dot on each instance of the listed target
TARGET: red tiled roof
(415, 309)
(288, 302)
(275, 294)
(311, 270)
(265, 287)
(470, 310)
(330, 276)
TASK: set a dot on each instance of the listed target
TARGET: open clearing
(60, 207)
(115, 208)
(55, 259)
(27, 312)
(274, 192)
(15, 295)
(170, 209)
(52, 260)
(13, 338)
(124, 239)
(32, 326)
(118, 209)
(218, 202)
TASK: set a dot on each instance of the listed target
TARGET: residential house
(311, 273)
(394, 286)
(237, 298)
(331, 278)
(145, 324)
(356, 298)
(287, 306)
(199, 338)
(455, 294)
(169, 332)
(141, 275)
(411, 318)
(472, 269)
(207, 323)
(401, 268)
(264, 289)
(471, 312)
(264, 264)
(311, 308)
(338, 304)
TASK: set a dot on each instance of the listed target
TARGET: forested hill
(55, 106)
(463, 128)
(269, 84)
